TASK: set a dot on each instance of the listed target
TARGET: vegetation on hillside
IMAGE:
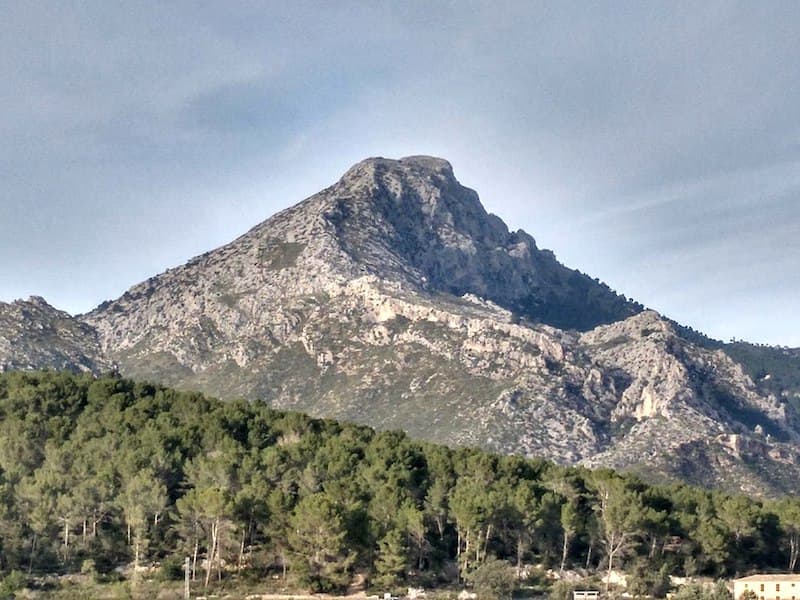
(774, 369)
(98, 473)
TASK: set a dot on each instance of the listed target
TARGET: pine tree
(390, 564)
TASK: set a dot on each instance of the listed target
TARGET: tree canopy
(114, 472)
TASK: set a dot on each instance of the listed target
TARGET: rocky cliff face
(411, 221)
(34, 335)
(392, 298)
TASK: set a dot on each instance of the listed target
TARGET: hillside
(97, 474)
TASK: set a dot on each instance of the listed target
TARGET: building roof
(771, 577)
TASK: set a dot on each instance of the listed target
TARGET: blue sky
(653, 145)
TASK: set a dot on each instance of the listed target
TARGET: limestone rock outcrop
(34, 335)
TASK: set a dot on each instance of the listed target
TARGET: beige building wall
(769, 587)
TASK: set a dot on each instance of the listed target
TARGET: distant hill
(34, 335)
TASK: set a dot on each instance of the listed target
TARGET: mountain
(392, 298)
(34, 335)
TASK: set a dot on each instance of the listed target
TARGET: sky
(655, 145)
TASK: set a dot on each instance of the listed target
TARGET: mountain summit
(394, 299)
(410, 220)
(407, 222)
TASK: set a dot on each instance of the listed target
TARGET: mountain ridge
(35, 335)
(393, 298)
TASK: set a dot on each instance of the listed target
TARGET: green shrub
(88, 567)
(171, 569)
(11, 584)
(493, 580)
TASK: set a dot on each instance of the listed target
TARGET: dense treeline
(95, 473)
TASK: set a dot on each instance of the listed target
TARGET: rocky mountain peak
(418, 192)
(648, 324)
(37, 301)
(411, 166)
(407, 224)
(35, 335)
(410, 220)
